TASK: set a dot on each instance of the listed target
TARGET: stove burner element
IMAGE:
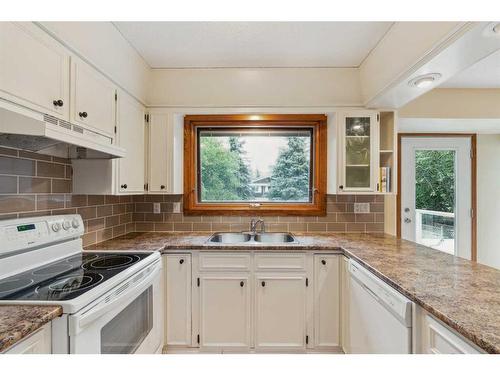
(73, 283)
(53, 270)
(109, 262)
(14, 284)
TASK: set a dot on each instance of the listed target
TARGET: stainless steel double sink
(249, 238)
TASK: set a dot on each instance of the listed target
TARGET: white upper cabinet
(165, 154)
(93, 103)
(34, 69)
(130, 136)
(358, 152)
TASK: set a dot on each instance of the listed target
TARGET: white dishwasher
(380, 317)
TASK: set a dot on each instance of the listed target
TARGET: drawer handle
(323, 262)
(162, 187)
(242, 284)
(263, 283)
(181, 261)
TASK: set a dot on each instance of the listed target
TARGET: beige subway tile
(202, 227)
(331, 198)
(343, 198)
(61, 186)
(17, 203)
(112, 221)
(191, 219)
(277, 227)
(119, 230)
(153, 217)
(297, 227)
(288, 219)
(144, 227)
(163, 227)
(50, 201)
(379, 218)
(138, 216)
(375, 227)
(144, 207)
(328, 218)
(365, 198)
(45, 169)
(316, 227)
(104, 234)
(89, 239)
(15, 166)
(153, 198)
(125, 218)
(221, 227)
(87, 212)
(34, 185)
(68, 173)
(95, 224)
(365, 218)
(106, 210)
(211, 219)
(75, 200)
(125, 199)
(56, 159)
(8, 151)
(231, 219)
(376, 207)
(344, 217)
(95, 200)
(336, 207)
(111, 199)
(138, 198)
(130, 227)
(64, 211)
(336, 227)
(119, 208)
(183, 227)
(8, 185)
(355, 227)
(34, 214)
(166, 207)
(380, 198)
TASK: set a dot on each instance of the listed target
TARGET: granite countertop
(19, 321)
(463, 294)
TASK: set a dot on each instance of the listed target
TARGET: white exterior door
(280, 312)
(326, 300)
(178, 299)
(225, 312)
(92, 99)
(130, 125)
(436, 205)
(34, 69)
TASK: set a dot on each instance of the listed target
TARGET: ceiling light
(425, 80)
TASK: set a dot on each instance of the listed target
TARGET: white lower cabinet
(344, 303)
(327, 300)
(280, 312)
(224, 312)
(178, 300)
(254, 301)
(39, 342)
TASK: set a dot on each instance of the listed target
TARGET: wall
(35, 185)
(241, 87)
(488, 203)
(340, 217)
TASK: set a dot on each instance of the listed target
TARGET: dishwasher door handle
(373, 294)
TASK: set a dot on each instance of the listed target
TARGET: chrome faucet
(254, 223)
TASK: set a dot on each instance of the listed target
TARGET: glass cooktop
(67, 278)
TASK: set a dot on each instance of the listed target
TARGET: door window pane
(435, 199)
(125, 332)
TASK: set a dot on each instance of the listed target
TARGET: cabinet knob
(323, 262)
(181, 261)
(58, 103)
(263, 283)
(124, 186)
(162, 187)
(341, 187)
(83, 114)
(242, 284)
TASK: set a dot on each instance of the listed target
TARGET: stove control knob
(66, 225)
(56, 227)
(75, 223)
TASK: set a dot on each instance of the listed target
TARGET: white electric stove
(111, 300)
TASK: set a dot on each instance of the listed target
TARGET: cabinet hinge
(378, 117)
(146, 118)
(198, 339)
(116, 129)
(198, 281)
(146, 187)
(307, 339)
(307, 281)
(471, 153)
(116, 96)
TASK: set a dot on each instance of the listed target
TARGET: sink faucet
(254, 223)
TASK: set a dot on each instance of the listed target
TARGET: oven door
(128, 319)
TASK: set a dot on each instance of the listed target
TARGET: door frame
(473, 159)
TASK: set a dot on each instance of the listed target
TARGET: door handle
(407, 220)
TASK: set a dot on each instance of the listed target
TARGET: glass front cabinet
(358, 152)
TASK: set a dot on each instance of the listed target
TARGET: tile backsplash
(33, 184)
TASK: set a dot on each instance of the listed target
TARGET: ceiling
(253, 44)
(483, 74)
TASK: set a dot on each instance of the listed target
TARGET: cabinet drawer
(225, 261)
(280, 261)
(440, 340)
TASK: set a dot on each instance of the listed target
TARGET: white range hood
(29, 130)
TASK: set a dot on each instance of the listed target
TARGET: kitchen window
(255, 164)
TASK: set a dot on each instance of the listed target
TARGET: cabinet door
(39, 342)
(358, 152)
(326, 301)
(130, 135)
(280, 312)
(159, 155)
(34, 69)
(225, 312)
(93, 102)
(178, 299)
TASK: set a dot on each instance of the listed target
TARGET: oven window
(126, 331)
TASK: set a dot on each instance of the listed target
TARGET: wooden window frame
(317, 122)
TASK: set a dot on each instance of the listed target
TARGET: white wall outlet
(361, 208)
(156, 208)
(176, 207)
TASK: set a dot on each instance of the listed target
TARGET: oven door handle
(126, 291)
